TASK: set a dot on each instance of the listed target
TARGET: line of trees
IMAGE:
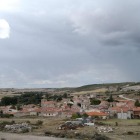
(51, 97)
(26, 98)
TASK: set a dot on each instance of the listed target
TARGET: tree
(85, 115)
(69, 104)
(107, 92)
(137, 103)
(26, 98)
(79, 115)
(96, 116)
(1, 112)
(18, 107)
(115, 115)
(110, 98)
(59, 98)
(65, 95)
(13, 107)
(94, 101)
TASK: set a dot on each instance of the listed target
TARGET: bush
(48, 133)
(6, 122)
(56, 134)
(12, 121)
(101, 138)
(130, 133)
(3, 139)
(100, 123)
(74, 116)
(6, 116)
(26, 130)
(27, 121)
(39, 122)
(96, 116)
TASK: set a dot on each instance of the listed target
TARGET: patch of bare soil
(9, 136)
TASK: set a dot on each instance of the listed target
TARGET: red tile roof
(11, 113)
(136, 109)
(96, 114)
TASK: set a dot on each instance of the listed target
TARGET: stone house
(45, 103)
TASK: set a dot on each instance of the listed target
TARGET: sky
(68, 43)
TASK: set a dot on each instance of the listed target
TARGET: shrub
(96, 116)
(3, 139)
(102, 137)
(100, 123)
(85, 115)
(56, 134)
(74, 116)
(130, 133)
(12, 121)
(115, 115)
(6, 116)
(6, 122)
(27, 121)
(39, 122)
(26, 130)
(48, 133)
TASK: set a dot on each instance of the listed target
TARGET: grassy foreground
(51, 123)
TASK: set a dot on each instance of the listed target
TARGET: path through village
(121, 96)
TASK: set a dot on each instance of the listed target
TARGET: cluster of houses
(121, 109)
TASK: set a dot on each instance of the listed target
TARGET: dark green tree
(79, 115)
(85, 115)
(59, 98)
(65, 95)
(137, 103)
(94, 101)
(13, 107)
(69, 104)
(110, 98)
(18, 107)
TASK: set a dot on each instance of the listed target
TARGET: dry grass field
(51, 123)
(11, 92)
(8, 136)
(91, 91)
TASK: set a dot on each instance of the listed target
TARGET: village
(77, 111)
(89, 104)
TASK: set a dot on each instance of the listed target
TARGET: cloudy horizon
(52, 44)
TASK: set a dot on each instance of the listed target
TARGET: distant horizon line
(72, 87)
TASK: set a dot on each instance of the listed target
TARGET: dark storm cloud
(67, 43)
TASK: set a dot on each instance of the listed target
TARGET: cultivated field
(13, 92)
(91, 91)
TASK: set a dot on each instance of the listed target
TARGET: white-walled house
(124, 113)
(52, 113)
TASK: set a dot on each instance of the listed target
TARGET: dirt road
(10, 136)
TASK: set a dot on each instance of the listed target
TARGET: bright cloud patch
(4, 29)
